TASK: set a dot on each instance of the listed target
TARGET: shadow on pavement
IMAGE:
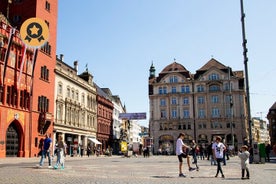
(163, 177)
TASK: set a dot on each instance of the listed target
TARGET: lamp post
(246, 73)
(231, 107)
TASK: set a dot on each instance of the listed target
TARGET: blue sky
(119, 39)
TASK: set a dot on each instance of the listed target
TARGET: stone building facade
(271, 116)
(75, 107)
(208, 103)
(29, 131)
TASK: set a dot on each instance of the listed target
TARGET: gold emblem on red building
(34, 32)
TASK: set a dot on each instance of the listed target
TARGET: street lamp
(246, 72)
(231, 107)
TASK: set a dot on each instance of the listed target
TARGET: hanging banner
(130, 116)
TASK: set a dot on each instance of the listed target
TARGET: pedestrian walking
(218, 149)
(267, 152)
(194, 152)
(88, 150)
(182, 151)
(213, 161)
(244, 156)
(60, 153)
(46, 151)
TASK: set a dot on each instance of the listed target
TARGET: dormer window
(213, 76)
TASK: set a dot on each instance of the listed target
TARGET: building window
(186, 114)
(24, 99)
(47, 6)
(44, 73)
(202, 125)
(185, 89)
(174, 113)
(173, 89)
(213, 76)
(228, 125)
(186, 101)
(214, 88)
(2, 51)
(17, 19)
(200, 88)
(11, 96)
(173, 79)
(163, 114)
(162, 102)
(77, 96)
(162, 90)
(215, 99)
(189, 126)
(82, 99)
(200, 100)
(46, 48)
(59, 89)
(68, 92)
(216, 125)
(215, 113)
(174, 101)
(43, 104)
(73, 94)
(59, 112)
(201, 113)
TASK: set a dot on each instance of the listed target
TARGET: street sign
(133, 116)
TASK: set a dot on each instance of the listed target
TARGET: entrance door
(12, 141)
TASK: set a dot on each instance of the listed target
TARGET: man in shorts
(182, 151)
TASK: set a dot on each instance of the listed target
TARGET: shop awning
(95, 140)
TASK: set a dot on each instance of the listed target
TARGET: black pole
(12, 30)
(246, 73)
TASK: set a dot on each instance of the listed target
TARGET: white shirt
(179, 145)
(219, 148)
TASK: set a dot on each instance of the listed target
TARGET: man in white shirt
(182, 151)
(218, 148)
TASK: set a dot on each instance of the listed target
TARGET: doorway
(12, 141)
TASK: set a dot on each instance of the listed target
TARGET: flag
(24, 48)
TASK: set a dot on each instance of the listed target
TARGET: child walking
(244, 156)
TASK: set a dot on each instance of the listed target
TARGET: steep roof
(273, 107)
(213, 63)
(174, 67)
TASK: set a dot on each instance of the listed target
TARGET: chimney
(61, 57)
(76, 66)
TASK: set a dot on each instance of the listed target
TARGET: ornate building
(260, 133)
(75, 107)
(208, 103)
(15, 93)
(104, 118)
(117, 122)
(271, 116)
(30, 110)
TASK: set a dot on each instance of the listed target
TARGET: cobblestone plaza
(116, 169)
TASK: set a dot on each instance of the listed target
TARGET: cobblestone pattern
(119, 170)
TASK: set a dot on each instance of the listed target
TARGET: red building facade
(105, 119)
(27, 107)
